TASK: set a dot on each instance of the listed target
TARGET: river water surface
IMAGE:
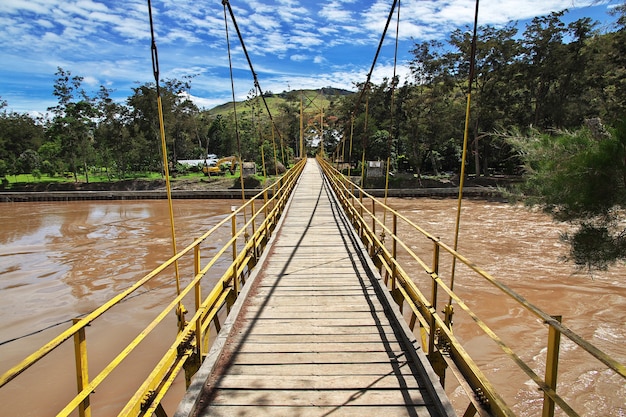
(62, 260)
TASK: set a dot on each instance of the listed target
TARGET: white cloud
(91, 81)
(334, 13)
(299, 43)
(35, 6)
(299, 57)
(304, 39)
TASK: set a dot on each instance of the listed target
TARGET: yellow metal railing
(190, 341)
(389, 254)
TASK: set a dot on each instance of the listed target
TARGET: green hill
(312, 101)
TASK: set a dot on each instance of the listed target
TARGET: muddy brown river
(62, 260)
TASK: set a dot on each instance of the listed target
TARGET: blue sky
(293, 43)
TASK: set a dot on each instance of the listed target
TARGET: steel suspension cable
(261, 143)
(464, 156)
(257, 94)
(257, 85)
(302, 151)
(364, 141)
(391, 131)
(274, 150)
(350, 150)
(155, 70)
(232, 85)
(366, 88)
(380, 45)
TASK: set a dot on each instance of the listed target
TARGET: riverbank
(12, 197)
(226, 188)
(136, 189)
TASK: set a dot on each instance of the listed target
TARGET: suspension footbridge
(308, 306)
(317, 333)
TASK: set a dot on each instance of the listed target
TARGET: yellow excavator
(220, 167)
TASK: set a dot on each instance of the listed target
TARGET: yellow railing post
(433, 300)
(435, 274)
(254, 242)
(234, 231)
(253, 216)
(373, 216)
(394, 244)
(552, 366)
(198, 296)
(394, 250)
(436, 257)
(265, 213)
(448, 308)
(82, 374)
(234, 266)
(361, 203)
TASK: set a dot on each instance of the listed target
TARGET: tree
(113, 141)
(580, 177)
(217, 138)
(545, 52)
(18, 133)
(73, 122)
(493, 93)
(51, 162)
(432, 109)
(28, 162)
(4, 169)
(179, 115)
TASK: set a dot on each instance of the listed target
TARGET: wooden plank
(317, 339)
(319, 398)
(292, 324)
(308, 411)
(319, 282)
(315, 382)
(323, 328)
(304, 278)
(331, 346)
(315, 292)
(356, 317)
(318, 297)
(307, 369)
(254, 308)
(339, 357)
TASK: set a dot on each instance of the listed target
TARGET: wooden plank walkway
(316, 336)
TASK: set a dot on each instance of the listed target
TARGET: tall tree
(493, 95)
(18, 133)
(179, 114)
(113, 141)
(74, 121)
(544, 52)
(432, 109)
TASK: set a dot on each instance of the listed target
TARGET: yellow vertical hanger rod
(155, 70)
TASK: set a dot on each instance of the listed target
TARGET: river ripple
(522, 249)
(61, 260)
